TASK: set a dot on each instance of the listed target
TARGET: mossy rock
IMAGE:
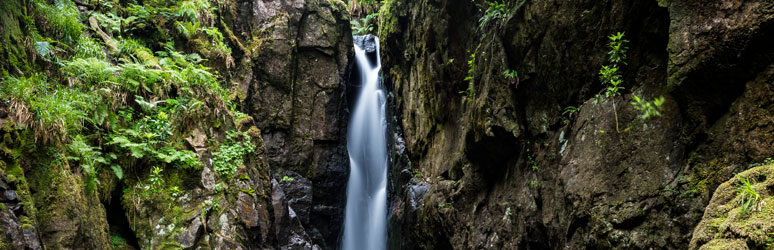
(727, 225)
(13, 52)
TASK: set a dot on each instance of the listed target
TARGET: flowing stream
(365, 220)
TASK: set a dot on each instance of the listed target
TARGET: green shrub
(90, 159)
(609, 75)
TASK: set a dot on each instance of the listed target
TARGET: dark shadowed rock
(298, 192)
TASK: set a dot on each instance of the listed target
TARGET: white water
(365, 220)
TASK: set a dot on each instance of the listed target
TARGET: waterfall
(365, 220)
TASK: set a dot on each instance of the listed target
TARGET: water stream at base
(365, 219)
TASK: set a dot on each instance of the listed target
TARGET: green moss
(170, 245)
(12, 15)
(727, 224)
(15, 173)
(388, 22)
(5, 245)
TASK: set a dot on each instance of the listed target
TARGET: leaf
(118, 171)
(43, 48)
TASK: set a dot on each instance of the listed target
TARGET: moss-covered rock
(727, 224)
(14, 52)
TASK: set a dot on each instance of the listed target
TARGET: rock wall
(293, 77)
(503, 169)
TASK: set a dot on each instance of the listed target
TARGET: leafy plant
(497, 11)
(749, 199)
(231, 154)
(610, 75)
(287, 179)
(365, 25)
(88, 47)
(90, 71)
(512, 76)
(569, 111)
(50, 109)
(63, 19)
(187, 28)
(155, 179)
(471, 69)
(648, 109)
(90, 159)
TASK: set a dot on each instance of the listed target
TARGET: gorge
(395, 124)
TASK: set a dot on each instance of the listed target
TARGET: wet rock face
(504, 169)
(293, 77)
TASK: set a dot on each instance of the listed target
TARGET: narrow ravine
(366, 211)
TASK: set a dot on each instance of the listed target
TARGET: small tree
(610, 75)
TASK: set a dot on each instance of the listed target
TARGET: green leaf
(118, 171)
(43, 48)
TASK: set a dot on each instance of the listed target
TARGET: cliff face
(274, 111)
(293, 81)
(501, 166)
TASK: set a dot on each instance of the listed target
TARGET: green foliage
(512, 76)
(90, 159)
(496, 12)
(187, 28)
(648, 109)
(471, 69)
(287, 179)
(63, 19)
(569, 111)
(88, 47)
(190, 10)
(90, 71)
(231, 154)
(610, 75)
(109, 22)
(49, 108)
(749, 199)
(148, 137)
(365, 25)
(155, 179)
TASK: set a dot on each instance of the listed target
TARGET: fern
(90, 159)
(63, 19)
(187, 28)
(90, 71)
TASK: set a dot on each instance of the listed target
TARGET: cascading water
(365, 220)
